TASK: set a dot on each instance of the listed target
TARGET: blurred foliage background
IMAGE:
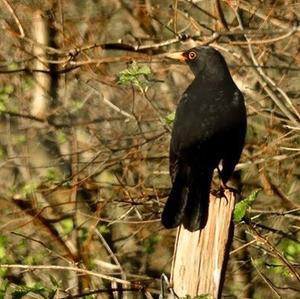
(86, 102)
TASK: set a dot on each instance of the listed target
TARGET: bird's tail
(173, 212)
(196, 210)
(188, 200)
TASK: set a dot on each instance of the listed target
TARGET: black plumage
(209, 128)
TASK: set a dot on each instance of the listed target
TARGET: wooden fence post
(200, 258)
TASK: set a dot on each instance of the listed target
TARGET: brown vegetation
(84, 151)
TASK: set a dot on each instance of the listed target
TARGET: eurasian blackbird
(209, 128)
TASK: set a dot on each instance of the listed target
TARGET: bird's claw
(231, 189)
(220, 193)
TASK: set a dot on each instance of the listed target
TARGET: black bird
(209, 128)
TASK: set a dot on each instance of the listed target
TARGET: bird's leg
(220, 192)
(226, 187)
(223, 186)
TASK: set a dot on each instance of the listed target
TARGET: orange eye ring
(192, 55)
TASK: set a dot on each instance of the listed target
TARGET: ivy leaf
(242, 207)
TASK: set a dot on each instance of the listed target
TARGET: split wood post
(200, 258)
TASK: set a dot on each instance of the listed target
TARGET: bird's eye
(192, 55)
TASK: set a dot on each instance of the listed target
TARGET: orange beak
(177, 56)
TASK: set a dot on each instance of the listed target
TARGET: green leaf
(242, 206)
(12, 66)
(2, 105)
(203, 296)
(52, 174)
(290, 249)
(103, 229)
(61, 137)
(29, 188)
(150, 243)
(170, 118)
(22, 291)
(135, 75)
(3, 288)
(54, 281)
(20, 139)
(144, 70)
(67, 225)
(8, 89)
(293, 249)
(3, 241)
(2, 152)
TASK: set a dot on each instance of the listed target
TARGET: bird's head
(202, 60)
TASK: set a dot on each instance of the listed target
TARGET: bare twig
(245, 5)
(64, 268)
(110, 104)
(268, 40)
(259, 238)
(12, 11)
(41, 243)
(265, 80)
(265, 279)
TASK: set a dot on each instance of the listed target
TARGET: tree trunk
(200, 258)
(40, 33)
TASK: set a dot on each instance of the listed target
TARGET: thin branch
(264, 79)
(41, 243)
(33, 70)
(134, 288)
(110, 104)
(245, 5)
(265, 279)
(71, 68)
(259, 238)
(64, 268)
(59, 125)
(277, 213)
(28, 208)
(11, 10)
(269, 40)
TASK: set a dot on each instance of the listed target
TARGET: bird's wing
(233, 151)
(174, 209)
